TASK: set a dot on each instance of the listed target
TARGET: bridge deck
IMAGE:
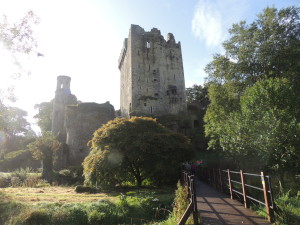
(216, 208)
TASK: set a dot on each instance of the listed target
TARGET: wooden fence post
(244, 189)
(230, 185)
(267, 198)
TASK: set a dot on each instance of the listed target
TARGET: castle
(152, 84)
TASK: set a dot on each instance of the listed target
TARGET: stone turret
(63, 98)
(152, 77)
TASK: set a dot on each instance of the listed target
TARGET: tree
(16, 130)
(43, 149)
(44, 116)
(267, 48)
(198, 101)
(198, 94)
(135, 149)
(16, 39)
(268, 126)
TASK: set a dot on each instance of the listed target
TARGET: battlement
(150, 65)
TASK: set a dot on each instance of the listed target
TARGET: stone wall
(81, 122)
(152, 77)
(63, 97)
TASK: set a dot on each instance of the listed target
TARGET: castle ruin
(152, 84)
(74, 123)
(152, 77)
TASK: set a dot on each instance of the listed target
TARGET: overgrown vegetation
(134, 207)
(134, 150)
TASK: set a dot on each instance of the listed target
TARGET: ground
(53, 194)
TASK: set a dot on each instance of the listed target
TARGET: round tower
(63, 98)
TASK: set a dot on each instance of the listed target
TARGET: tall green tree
(254, 106)
(135, 149)
(44, 115)
(43, 148)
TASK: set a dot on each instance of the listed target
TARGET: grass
(51, 195)
(62, 205)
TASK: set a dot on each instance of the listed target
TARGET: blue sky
(83, 39)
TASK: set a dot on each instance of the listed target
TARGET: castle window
(174, 91)
(151, 109)
(156, 94)
(196, 124)
(145, 104)
(147, 44)
(174, 77)
(154, 79)
(62, 85)
(154, 72)
(168, 93)
(147, 90)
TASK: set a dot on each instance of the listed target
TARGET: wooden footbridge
(210, 206)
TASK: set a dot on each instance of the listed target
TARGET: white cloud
(213, 18)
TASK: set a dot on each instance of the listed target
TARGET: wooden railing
(235, 184)
(188, 180)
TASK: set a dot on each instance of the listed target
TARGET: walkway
(216, 208)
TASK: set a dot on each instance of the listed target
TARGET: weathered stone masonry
(152, 77)
(74, 123)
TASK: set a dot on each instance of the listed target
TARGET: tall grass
(130, 208)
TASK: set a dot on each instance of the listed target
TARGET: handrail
(224, 181)
(188, 179)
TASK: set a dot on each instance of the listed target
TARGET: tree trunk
(47, 165)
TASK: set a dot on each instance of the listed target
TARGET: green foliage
(135, 149)
(82, 189)
(180, 204)
(44, 116)
(137, 207)
(198, 94)
(18, 159)
(69, 176)
(254, 93)
(288, 209)
(43, 148)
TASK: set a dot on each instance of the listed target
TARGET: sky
(83, 39)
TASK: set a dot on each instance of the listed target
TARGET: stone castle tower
(152, 77)
(63, 97)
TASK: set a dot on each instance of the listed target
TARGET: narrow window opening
(147, 90)
(154, 79)
(145, 104)
(168, 93)
(154, 72)
(148, 44)
(174, 77)
(149, 67)
(61, 86)
(151, 109)
(156, 94)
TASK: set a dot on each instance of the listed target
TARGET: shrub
(4, 181)
(77, 216)
(82, 189)
(288, 209)
(37, 217)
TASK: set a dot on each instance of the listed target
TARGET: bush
(37, 217)
(82, 189)
(288, 209)
(4, 181)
